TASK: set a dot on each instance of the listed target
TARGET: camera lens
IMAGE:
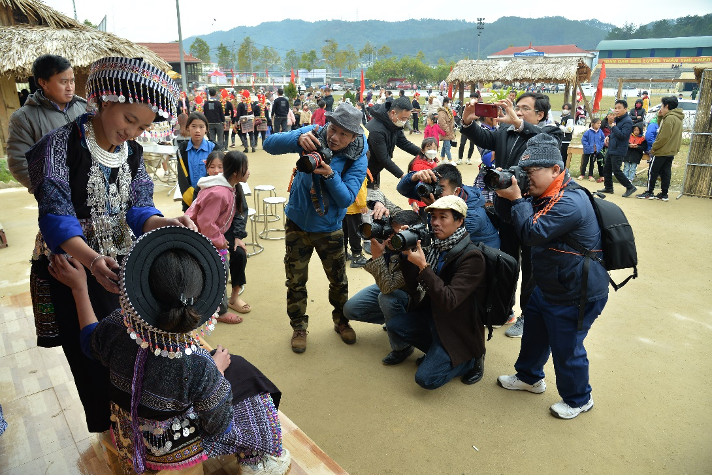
(365, 230)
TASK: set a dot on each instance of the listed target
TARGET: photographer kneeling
(546, 220)
(379, 302)
(444, 180)
(322, 188)
(444, 323)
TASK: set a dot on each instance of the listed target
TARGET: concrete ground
(649, 353)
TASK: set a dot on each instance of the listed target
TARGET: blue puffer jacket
(620, 133)
(335, 194)
(543, 223)
(477, 223)
(650, 134)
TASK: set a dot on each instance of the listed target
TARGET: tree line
(691, 25)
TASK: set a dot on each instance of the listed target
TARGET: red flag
(339, 73)
(449, 87)
(266, 73)
(362, 89)
(291, 77)
(232, 73)
(599, 89)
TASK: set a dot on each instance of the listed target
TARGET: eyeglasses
(524, 109)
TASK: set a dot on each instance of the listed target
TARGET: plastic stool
(269, 208)
(257, 248)
(259, 190)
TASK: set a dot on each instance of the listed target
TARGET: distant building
(171, 55)
(548, 51)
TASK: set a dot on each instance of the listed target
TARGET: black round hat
(137, 265)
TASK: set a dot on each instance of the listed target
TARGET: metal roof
(650, 43)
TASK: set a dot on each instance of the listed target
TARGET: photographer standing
(317, 204)
(518, 123)
(379, 302)
(446, 180)
(545, 220)
(445, 324)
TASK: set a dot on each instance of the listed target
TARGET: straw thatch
(698, 170)
(33, 12)
(81, 45)
(540, 69)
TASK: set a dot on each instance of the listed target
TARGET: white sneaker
(512, 382)
(563, 410)
(468, 162)
(270, 464)
(458, 162)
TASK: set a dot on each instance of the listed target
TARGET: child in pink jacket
(432, 129)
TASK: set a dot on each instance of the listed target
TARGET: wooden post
(566, 92)
(620, 88)
(461, 92)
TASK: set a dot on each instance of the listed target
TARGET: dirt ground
(649, 352)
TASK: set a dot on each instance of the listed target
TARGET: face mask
(431, 154)
(399, 123)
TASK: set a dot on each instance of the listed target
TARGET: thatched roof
(33, 12)
(701, 69)
(81, 45)
(540, 69)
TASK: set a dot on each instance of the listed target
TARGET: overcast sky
(155, 20)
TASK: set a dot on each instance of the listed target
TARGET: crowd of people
(124, 289)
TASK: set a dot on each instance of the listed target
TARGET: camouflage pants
(299, 248)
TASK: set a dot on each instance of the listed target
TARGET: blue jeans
(372, 306)
(418, 328)
(446, 150)
(629, 169)
(551, 328)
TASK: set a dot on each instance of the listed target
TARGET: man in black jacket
(385, 133)
(215, 115)
(280, 110)
(328, 99)
(519, 123)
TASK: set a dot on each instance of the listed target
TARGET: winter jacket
(477, 223)
(213, 111)
(508, 144)
(329, 100)
(30, 123)
(450, 295)
(592, 141)
(434, 131)
(280, 107)
(566, 125)
(421, 163)
(214, 208)
(447, 122)
(543, 223)
(635, 153)
(637, 115)
(618, 139)
(383, 137)
(360, 202)
(669, 138)
(650, 134)
(318, 117)
(333, 195)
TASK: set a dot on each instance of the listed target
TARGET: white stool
(259, 190)
(269, 209)
(257, 248)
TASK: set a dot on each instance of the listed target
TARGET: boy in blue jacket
(592, 142)
(316, 208)
(617, 143)
(548, 215)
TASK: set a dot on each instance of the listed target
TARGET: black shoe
(254, 150)
(605, 190)
(630, 191)
(246, 150)
(397, 356)
(358, 261)
(475, 375)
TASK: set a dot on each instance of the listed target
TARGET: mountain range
(437, 39)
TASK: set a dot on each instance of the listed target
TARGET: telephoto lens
(424, 189)
(497, 179)
(379, 229)
(308, 161)
(408, 239)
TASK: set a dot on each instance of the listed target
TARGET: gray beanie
(542, 151)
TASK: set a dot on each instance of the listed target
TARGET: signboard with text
(673, 59)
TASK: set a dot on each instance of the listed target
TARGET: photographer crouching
(444, 323)
(330, 170)
(546, 219)
(379, 302)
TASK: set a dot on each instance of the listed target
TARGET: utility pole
(184, 82)
(75, 10)
(480, 28)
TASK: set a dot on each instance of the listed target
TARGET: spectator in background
(447, 122)
(592, 142)
(214, 113)
(51, 106)
(463, 138)
(638, 113)
(416, 113)
(617, 143)
(305, 116)
(328, 99)
(636, 148)
(318, 117)
(566, 124)
(280, 111)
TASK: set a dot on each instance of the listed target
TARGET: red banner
(599, 89)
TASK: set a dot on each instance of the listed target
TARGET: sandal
(230, 318)
(244, 309)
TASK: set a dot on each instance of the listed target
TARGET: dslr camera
(408, 239)
(380, 229)
(500, 179)
(424, 189)
(308, 161)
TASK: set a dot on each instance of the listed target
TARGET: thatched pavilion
(29, 28)
(570, 71)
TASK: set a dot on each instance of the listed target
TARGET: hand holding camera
(416, 256)
(316, 156)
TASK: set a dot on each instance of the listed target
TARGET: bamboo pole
(698, 169)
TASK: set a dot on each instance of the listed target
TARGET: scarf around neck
(440, 246)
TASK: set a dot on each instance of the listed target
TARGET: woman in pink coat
(214, 208)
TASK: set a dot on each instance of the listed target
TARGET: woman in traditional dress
(95, 198)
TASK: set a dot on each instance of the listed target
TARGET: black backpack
(617, 243)
(500, 285)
